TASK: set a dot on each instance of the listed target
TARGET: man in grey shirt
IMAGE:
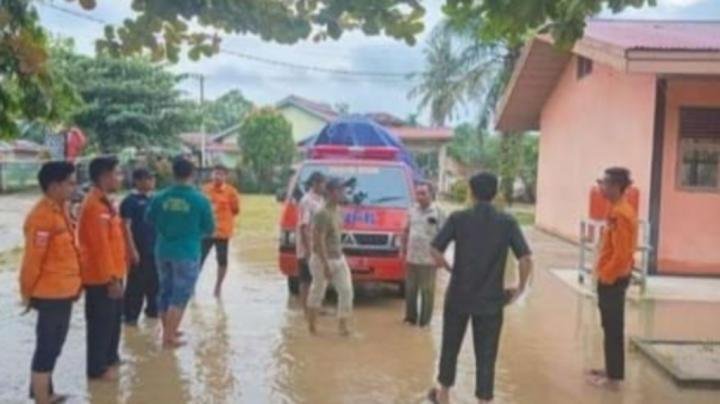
(425, 220)
(482, 235)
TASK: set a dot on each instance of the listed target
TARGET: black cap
(314, 178)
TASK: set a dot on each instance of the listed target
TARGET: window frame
(680, 153)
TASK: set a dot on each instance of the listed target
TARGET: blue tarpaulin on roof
(361, 131)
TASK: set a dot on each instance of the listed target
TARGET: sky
(266, 84)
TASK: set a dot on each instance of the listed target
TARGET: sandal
(432, 396)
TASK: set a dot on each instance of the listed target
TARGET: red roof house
(639, 94)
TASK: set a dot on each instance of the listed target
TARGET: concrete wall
(690, 220)
(604, 119)
(303, 123)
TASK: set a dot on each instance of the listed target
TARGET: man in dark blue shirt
(142, 282)
(482, 236)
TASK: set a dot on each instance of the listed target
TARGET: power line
(261, 59)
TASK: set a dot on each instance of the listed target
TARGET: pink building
(639, 94)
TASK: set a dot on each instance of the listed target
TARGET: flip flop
(432, 396)
(59, 399)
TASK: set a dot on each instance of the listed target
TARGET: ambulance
(378, 196)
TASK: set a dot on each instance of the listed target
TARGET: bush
(459, 191)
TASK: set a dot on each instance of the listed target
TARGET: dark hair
(484, 186)
(619, 176)
(426, 184)
(54, 172)
(141, 174)
(102, 165)
(220, 167)
(334, 183)
(183, 168)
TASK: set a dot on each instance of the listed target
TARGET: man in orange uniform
(225, 200)
(614, 269)
(50, 273)
(104, 264)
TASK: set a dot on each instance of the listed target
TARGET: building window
(700, 148)
(584, 67)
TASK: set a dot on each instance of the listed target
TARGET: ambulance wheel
(293, 285)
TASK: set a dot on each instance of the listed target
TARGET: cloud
(679, 3)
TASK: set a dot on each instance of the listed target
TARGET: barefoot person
(104, 264)
(182, 217)
(142, 280)
(50, 274)
(482, 237)
(226, 206)
(614, 267)
(425, 221)
(311, 203)
(327, 262)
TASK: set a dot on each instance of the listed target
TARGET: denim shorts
(177, 280)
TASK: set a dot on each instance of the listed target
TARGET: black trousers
(486, 339)
(53, 323)
(221, 250)
(141, 288)
(611, 301)
(103, 316)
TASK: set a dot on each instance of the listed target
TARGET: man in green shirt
(327, 262)
(182, 217)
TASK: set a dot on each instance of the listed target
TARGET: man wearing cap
(311, 203)
(142, 279)
(614, 270)
(327, 263)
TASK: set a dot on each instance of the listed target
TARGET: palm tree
(460, 69)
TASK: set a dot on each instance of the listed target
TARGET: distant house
(639, 94)
(428, 144)
(220, 148)
(306, 117)
(21, 150)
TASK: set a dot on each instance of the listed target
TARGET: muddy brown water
(253, 347)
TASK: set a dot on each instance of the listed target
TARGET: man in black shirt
(482, 235)
(142, 282)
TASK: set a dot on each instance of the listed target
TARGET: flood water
(253, 347)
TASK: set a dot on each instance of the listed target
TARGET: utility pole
(203, 136)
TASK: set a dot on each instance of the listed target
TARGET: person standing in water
(614, 269)
(482, 235)
(50, 274)
(225, 201)
(310, 204)
(103, 268)
(424, 222)
(182, 217)
(327, 262)
(142, 282)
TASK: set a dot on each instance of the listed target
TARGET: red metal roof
(656, 35)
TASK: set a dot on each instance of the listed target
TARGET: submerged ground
(252, 347)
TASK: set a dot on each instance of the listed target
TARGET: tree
(27, 88)
(226, 111)
(466, 147)
(127, 102)
(267, 145)
(513, 20)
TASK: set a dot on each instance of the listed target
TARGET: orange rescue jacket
(101, 235)
(50, 265)
(225, 200)
(619, 243)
